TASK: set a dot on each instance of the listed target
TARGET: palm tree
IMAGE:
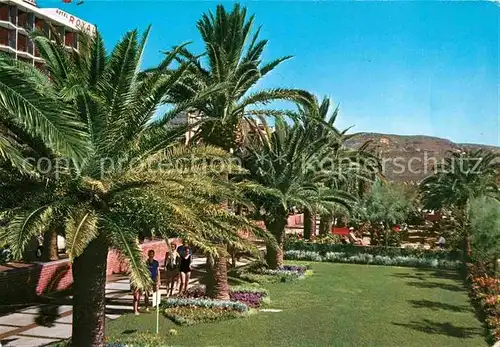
(461, 178)
(285, 161)
(45, 124)
(341, 168)
(220, 85)
(123, 177)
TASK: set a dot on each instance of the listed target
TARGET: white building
(19, 17)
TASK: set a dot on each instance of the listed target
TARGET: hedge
(365, 258)
(322, 249)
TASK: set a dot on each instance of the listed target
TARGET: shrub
(135, 340)
(366, 258)
(253, 297)
(485, 294)
(328, 239)
(177, 302)
(259, 273)
(303, 255)
(322, 249)
(193, 311)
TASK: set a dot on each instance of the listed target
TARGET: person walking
(185, 268)
(154, 271)
(172, 268)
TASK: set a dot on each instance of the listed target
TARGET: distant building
(19, 17)
(190, 117)
(384, 140)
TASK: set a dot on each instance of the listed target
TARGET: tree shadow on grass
(436, 328)
(434, 305)
(444, 274)
(432, 285)
(411, 276)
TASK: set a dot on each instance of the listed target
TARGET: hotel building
(19, 17)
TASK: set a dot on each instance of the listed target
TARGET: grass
(342, 305)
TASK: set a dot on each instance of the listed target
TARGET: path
(43, 324)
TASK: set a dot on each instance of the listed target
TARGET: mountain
(411, 157)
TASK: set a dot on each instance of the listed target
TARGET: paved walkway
(44, 324)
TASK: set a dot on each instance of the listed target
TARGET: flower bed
(322, 249)
(485, 293)
(253, 297)
(366, 258)
(189, 311)
(260, 274)
(135, 340)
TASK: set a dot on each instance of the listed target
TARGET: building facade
(19, 17)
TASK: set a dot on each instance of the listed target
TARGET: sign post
(156, 302)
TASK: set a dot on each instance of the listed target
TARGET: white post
(157, 311)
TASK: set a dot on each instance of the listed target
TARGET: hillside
(411, 158)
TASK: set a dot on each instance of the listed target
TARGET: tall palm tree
(285, 161)
(461, 178)
(220, 85)
(125, 175)
(341, 168)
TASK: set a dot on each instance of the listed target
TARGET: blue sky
(409, 67)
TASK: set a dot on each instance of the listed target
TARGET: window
(69, 38)
(4, 37)
(40, 25)
(22, 19)
(22, 43)
(4, 13)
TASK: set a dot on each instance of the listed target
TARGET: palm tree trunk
(89, 282)
(325, 226)
(308, 224)
(50, 250)
(274, 256)
(216, 282)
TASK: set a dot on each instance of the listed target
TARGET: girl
(185, 268)
(172, 262)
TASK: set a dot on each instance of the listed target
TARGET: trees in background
(385, 206)
(286, 161)
(485, 230)
(460, 179)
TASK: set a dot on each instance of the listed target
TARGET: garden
(112, 168)
(338, 305)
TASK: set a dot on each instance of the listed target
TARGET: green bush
(322, 249)
(135, 340)
(367, 258)
(250, 289)
(194, 311)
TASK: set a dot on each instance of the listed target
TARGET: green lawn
(343, 305)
